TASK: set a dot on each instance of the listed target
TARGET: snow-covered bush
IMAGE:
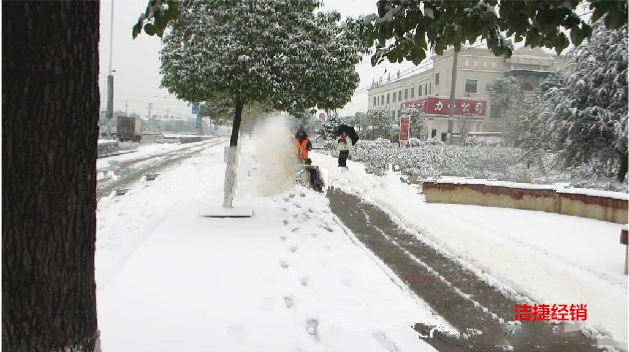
(433, 158)
(484, 141)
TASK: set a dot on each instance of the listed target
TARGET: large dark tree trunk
(50, 103)
(622, 171)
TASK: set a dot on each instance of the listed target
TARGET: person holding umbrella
(348, 137)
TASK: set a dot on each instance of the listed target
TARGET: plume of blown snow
(275, 152)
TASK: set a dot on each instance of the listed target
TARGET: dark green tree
(277, 53)
(405, 30)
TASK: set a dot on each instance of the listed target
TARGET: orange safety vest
(302, 151)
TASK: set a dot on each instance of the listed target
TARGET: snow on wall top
(559, 187)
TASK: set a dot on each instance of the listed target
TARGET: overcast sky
(136, 62)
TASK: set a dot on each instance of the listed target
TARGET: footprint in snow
(293, 249)
(314, 235)
(283, 238)
(237, 333)
(297, 205)
(285, 222)
(289, 302)
(284, 264)
(327, 228)
(304, 281)
(311, 326)
(295, 229)
(284, 209)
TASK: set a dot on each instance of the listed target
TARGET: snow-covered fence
(586, 203)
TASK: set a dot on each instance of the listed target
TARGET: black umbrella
(350, 132)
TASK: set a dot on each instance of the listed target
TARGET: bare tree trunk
(50, 103)
(622, 172)
(231, 171)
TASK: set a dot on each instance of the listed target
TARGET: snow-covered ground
(549, 258)
(288, 279)
(144, 151)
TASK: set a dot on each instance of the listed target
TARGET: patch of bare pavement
(469, 304)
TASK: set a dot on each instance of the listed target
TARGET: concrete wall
(543, 199)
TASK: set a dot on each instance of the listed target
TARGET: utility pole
(452, 104)
(110, 77)
(126, 108)
(150, 108)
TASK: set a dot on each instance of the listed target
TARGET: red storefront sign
(439, 106)
(405, 125)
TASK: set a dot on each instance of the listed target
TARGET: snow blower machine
(309, 176)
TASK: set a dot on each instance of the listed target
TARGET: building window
(394, 98)
(382, 99)
(426, 88)
(374, 100)
(494, 112)
(437, 79)
(412, 92)
(399, 96)
(433, 134)
(388, 98)
(419, 92)
(444, 137)
(429, 88)
(471, 85)
(405, 94)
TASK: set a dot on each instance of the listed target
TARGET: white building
(474, 111)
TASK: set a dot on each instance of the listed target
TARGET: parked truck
(129, 129)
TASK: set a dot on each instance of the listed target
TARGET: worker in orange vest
(303, 146)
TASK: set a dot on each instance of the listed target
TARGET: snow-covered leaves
(280, 53)
(406, 30)
(585, 108)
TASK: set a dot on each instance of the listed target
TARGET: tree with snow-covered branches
(380, 122)
(518, 113)
(275, 52)
(418, 123)
(329, 126)
(585, 110)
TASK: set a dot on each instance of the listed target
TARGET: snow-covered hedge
(432, 158)
(107, 146)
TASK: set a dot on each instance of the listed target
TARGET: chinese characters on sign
(440, 106)
(545, 312)
(405, 124)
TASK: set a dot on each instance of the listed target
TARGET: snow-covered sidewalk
(288, 279)
(549, 258)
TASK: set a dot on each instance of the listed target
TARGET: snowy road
(294, 278)
(288, 279)
(122, 171)
(529, 256)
